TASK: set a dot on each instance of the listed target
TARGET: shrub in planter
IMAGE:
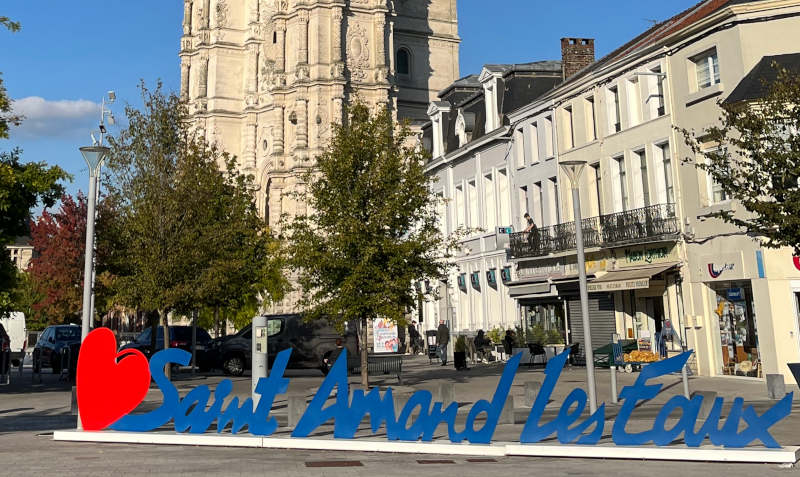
(554, 337)
(496, 335)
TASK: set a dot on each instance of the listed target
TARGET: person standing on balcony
(533, 232)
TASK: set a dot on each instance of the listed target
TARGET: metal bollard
(73, 406)
(531, 389)
(776, 388)
(685, 377)
(447, 393)
(507, 413)
(614, 396)
(400, 400)
(5, 367)
(296, 408)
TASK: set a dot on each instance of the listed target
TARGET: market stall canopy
(628, 279)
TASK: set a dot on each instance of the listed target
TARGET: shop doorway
(738, 329)
(650, 323)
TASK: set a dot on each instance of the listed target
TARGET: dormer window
(465, 124)
(437, 111)
(491, 95)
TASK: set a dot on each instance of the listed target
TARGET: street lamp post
(574, 170)
(94, 156)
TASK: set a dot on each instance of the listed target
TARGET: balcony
(648, 224)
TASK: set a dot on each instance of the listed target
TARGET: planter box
(460, 360)
(526, 355)
(553, 350)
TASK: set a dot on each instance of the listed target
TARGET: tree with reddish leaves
(57, 267)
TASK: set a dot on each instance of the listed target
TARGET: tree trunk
(364, 350)
(153, 332)
(216, 322)
(165, 324)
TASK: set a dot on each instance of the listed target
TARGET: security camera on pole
(574, 170)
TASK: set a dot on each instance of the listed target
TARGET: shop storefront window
(545, 323)
(738, 330)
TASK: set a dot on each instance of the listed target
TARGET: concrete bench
(379, 364)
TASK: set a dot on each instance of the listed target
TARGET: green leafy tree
(243, 262)
(56, 270)
(22, 187)
(6, 117)
(186, 232)
(371, 231)
(757, 161)
(25, 296)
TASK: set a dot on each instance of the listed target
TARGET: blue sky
(69, 54)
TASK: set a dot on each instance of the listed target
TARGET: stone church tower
(265, 79)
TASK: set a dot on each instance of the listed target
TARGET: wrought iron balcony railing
(639, 225)
(647, 224)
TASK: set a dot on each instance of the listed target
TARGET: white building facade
(658, 263)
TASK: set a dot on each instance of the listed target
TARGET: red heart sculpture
(110, 384)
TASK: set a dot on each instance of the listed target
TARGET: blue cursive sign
(420, 416)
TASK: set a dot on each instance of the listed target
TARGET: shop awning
(629, 279)
(525, 289)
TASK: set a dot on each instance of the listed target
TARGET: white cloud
(44, 118)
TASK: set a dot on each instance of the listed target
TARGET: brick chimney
(576, 54)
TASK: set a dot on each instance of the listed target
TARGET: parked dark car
(179, 337)
(310, 342)
(48, 350)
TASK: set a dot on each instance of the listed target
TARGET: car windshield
(68, 333)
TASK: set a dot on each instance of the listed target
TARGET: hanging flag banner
(112, 384)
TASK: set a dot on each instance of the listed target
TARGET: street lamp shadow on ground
(574, 170)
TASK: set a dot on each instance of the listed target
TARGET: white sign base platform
(786, 455)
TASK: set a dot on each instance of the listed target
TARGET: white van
(14, 324)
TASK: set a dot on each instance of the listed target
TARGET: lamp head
(94, 157)
(573, 170)
(112, 96)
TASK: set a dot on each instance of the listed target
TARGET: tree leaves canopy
(371, 230)
(187, 233)
(755, 159)
(56, 271)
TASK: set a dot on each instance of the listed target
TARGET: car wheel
(37, 364)
(233, 365)
(628, 368)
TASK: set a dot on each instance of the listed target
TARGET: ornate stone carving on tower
(265, 79)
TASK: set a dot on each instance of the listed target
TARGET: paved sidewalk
(30, 412)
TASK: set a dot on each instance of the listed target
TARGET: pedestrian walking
(414, 338)
(508, 343)
(442, 339)
(331, 356)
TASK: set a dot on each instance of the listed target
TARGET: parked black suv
(48, 350)
(310, 343)
(179, 337)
